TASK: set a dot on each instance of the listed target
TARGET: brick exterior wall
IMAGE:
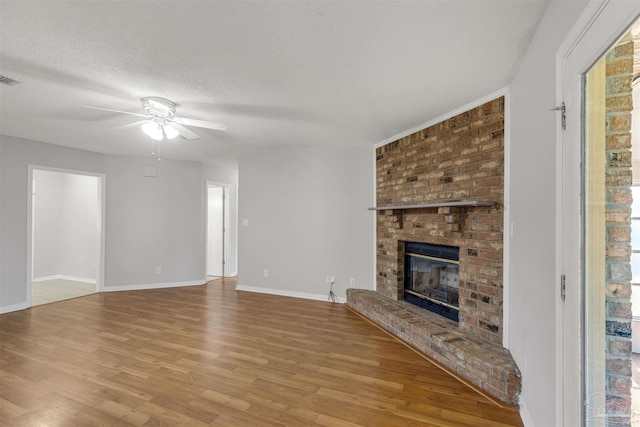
(459, 159)
(619, 70)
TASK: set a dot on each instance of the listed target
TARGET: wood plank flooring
(211, 356)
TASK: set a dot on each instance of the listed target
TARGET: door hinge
(563, 287)
(563, 110)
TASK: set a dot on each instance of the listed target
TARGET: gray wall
(532, 327)
(153, 222)
(46, 223)
(308, 218)
(149, 221)
(79, 238)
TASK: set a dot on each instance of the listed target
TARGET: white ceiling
(283, 75)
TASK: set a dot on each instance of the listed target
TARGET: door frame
(100, 261)
(598, 29)
(226, 191)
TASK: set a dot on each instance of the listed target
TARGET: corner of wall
(527, 420)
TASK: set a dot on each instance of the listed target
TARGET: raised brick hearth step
(488, 366)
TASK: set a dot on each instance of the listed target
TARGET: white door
(215, 232)
(579, 386)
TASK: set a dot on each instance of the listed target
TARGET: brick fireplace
(460, 159)
(458, 166)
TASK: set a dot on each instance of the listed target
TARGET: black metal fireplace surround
(431, 278)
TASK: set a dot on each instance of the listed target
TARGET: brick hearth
(486, 365)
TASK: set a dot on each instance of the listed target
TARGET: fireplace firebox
(431, 278)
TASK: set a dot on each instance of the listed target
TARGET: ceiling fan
(161, 121)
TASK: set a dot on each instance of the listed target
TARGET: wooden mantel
(465, 204)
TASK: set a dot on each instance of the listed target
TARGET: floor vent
(8, 81)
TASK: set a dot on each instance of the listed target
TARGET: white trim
(78, 279)
(506, 218)
(589, 16)
(45, 278)
(598, 28)
(374, 285)
(284, 293)
(102, 250)
(457, 111)
(14, 307)
(525, 415)
(64, 277)
(148, 286)
(236, 190)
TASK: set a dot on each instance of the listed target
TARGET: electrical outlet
(158, 270)
(266, 273)
(352, 282)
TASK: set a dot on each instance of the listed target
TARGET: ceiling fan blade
(183, 131)
(131, 125)
(199, 123)
(116, 111)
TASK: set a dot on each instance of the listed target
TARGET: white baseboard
(44, 278)
(153, 286)
(284, 293)
(525, 415)
(78, 279)
(64, 277)
(14, 307)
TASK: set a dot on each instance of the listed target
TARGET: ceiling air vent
(8, 81)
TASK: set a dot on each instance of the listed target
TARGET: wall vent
(8, 81)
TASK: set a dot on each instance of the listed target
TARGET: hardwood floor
(211, 356)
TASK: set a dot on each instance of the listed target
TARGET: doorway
(66, 238)
(594, 215)
(217, 226)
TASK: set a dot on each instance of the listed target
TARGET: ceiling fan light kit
(170, 131)
(153, 130)
(158, 131)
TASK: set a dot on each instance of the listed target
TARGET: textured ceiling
(283, 76)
